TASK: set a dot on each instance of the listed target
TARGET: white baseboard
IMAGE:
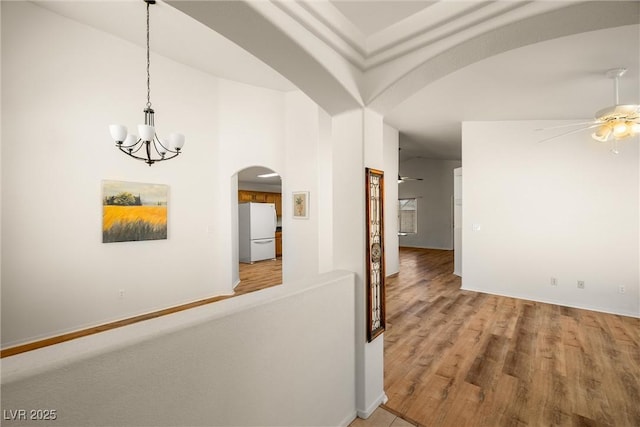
(382, 399)
(554, 302)
(348, 420)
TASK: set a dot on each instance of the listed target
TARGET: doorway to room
(257, 217)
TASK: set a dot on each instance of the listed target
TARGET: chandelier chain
(148, 63)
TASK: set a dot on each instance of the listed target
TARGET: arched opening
(257, 220)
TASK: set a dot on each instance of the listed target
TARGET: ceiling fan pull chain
(614, 146)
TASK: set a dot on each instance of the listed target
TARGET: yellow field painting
(154, 215)
(133, 211)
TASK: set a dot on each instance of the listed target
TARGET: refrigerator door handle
(275, 219)
(262, 242)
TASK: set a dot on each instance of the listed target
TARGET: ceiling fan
(402, 179)
(613, 123)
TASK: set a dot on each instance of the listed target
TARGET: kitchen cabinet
(278, 243)
(278, 202)
(252, 196)
(261, 197)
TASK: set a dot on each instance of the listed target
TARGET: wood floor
(461, 358)
(259, 275)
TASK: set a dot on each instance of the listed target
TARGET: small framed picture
(300, 205)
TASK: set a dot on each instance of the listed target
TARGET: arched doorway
(258, 223)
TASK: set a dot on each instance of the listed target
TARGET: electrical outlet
(121, 293)
(554, 281)
(580, 284)
(621, 289)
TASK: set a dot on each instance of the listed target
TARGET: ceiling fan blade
(569, 125)
(570, 132)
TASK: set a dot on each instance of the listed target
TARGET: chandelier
(155, 149)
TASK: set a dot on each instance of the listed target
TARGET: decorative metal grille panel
(375, 253)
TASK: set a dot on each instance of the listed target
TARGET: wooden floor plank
(461, 358)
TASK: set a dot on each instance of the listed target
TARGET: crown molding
(443, 24)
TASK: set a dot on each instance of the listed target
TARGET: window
(408, 216)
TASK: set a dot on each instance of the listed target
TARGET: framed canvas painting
(133, 211)
(301, 205)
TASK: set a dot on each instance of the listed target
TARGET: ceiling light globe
(176, 140)
(620, 129)
(118, 132)
(146, 132)
(131, 140)
(162, 147)
(602, 133)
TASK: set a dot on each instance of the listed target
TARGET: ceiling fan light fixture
(620, 129)
(602, 133)
(620, 120)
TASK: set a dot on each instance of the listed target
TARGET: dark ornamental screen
(375, 253)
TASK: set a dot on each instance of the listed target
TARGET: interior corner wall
(348, 146)
(391, 242)
(434, 195)
(325, 192)
(300, 236)
(566, 209)
(63, 84)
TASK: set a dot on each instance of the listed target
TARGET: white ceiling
(250, 175)
(373, 16)
(554, 80)
(174, 35)
(376, 47)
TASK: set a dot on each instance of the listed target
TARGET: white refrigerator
(257, 231)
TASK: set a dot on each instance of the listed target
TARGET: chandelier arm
(169, 157)
(138, 146)
(162, 145)
(133, 148)
(131, 153)
(145, 159)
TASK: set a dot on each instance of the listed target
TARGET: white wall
(348, 147)
(60, 94)
(435, 201)
(567, 209)
(300, 236)
(240, 362)
(63, 84)
(457, 221)
(70, 80)
(391, 243)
